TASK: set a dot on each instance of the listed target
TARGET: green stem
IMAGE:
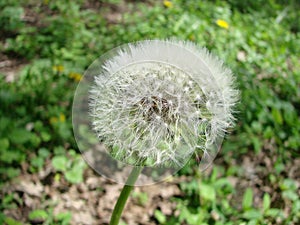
(116, 215)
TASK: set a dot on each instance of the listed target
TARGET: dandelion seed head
(157, 102)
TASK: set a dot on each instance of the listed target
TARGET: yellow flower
(54, 120)
(168, 4)
(222, 23)
(62, 117)
(75, 76)
(58, 68)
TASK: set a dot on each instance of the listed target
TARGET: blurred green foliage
(60, 39)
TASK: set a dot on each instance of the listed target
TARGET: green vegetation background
(259, 40)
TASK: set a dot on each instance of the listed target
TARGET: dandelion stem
(116, 215)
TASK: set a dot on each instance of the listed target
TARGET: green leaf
(266, 201)
(11, 221)
(35, 140)
(78, 163)
(193, 219)
(279, 167)
(4, 123)
(288, 184)
(64, 131)
(45, 136)
(38, 125)
(256, 144)
(59, 150)
(7, 199)
(252, 214)
(9, 172)
(43, 152)
(161, 218)
(207, 192)
(64, 218)
(74, 175)
(277, 116)
(290, 194)
(10, 156)
(268, 132)
(141, 197)
(38, 214)
(247, 199)
(37, 162)
(4, 144)
(273, 212)
(256, 126)
(20, 136)
(60, 163)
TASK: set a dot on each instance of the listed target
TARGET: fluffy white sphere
(157, 102)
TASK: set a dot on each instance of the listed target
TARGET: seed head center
(155, 108)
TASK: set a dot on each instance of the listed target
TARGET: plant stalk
(116, 215)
